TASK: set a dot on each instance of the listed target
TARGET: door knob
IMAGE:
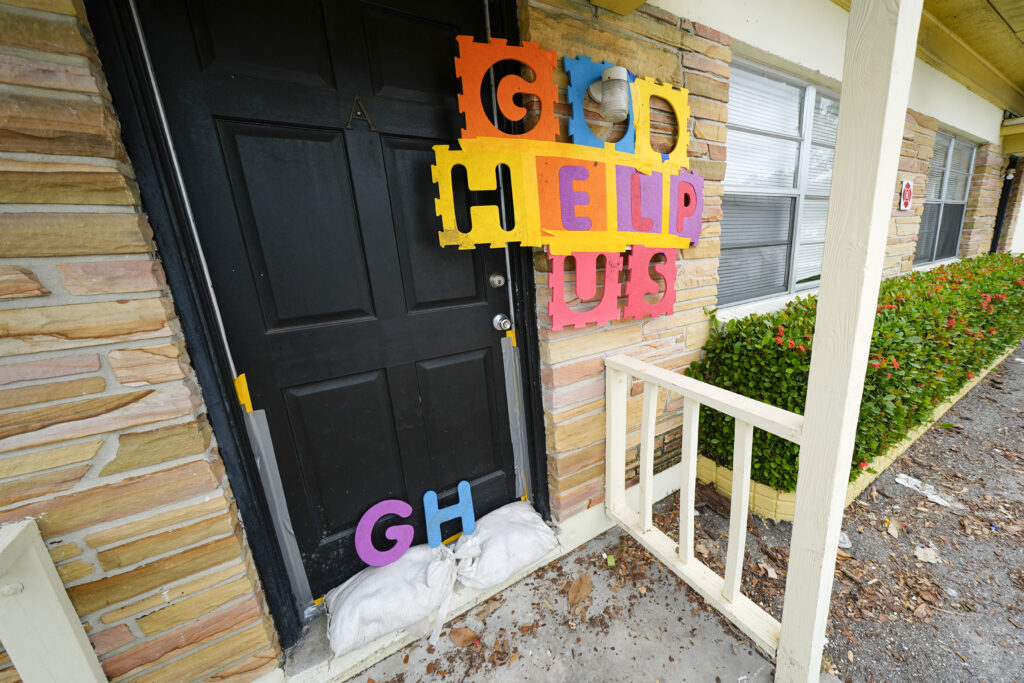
(497, 280)
(502, 323)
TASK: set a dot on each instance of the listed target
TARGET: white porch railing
(722, 593)
(38, 625)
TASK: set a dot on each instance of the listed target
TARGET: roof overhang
(960, 53)
(1013, 136)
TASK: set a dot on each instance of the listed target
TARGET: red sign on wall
(906, 194)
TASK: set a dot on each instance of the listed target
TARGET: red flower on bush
(947, 338)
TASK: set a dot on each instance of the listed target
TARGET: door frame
(131, 86)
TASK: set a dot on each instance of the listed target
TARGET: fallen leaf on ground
(922, 611)
(488, 609)
(894, 528)
(515, 656)
(580, 589)
(930, 555)
(500, 651)
(462, 636)
(768, 569)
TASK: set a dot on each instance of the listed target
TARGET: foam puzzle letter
(582, 72)
(686, 205)
(471, 66)
(640, 283)
(435, 517)
(642, 90)
(586, 288)
(571, 198)
(638, 200)
(481, 176)
(401, 534)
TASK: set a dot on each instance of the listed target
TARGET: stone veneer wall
(983, 201)
(652, 43)
(103, 433)
(916, 151)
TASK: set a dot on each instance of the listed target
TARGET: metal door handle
(502, 323)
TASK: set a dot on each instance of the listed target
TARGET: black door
(370, 347)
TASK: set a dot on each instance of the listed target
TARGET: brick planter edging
(779, 505)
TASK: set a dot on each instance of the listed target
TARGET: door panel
(280, 173)
(423, 69)
(233, 38)
(431, 277)
(354, 411)
(368, 345)
(457, 391)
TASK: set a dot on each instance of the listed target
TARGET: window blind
(755, 246)
(949, 182)
(777, 183)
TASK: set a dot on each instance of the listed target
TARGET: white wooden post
(648, 422)
(880, 45)
(38, 626)
(688, 487)
(615, 439)
(742, 450)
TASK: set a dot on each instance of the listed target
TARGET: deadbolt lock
(497, 280)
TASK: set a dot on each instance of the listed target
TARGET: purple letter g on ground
(401, 534)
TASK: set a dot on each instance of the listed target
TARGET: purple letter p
(401, 534)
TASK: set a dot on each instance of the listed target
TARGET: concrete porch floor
(638, 623)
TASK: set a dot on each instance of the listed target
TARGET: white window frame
(933, 261)
(798, 193)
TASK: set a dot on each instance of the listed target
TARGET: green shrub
(933, 330)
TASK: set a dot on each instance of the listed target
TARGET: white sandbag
(408, 593)
(504, 542)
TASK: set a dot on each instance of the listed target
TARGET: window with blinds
(782, 135)
(945, 199)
